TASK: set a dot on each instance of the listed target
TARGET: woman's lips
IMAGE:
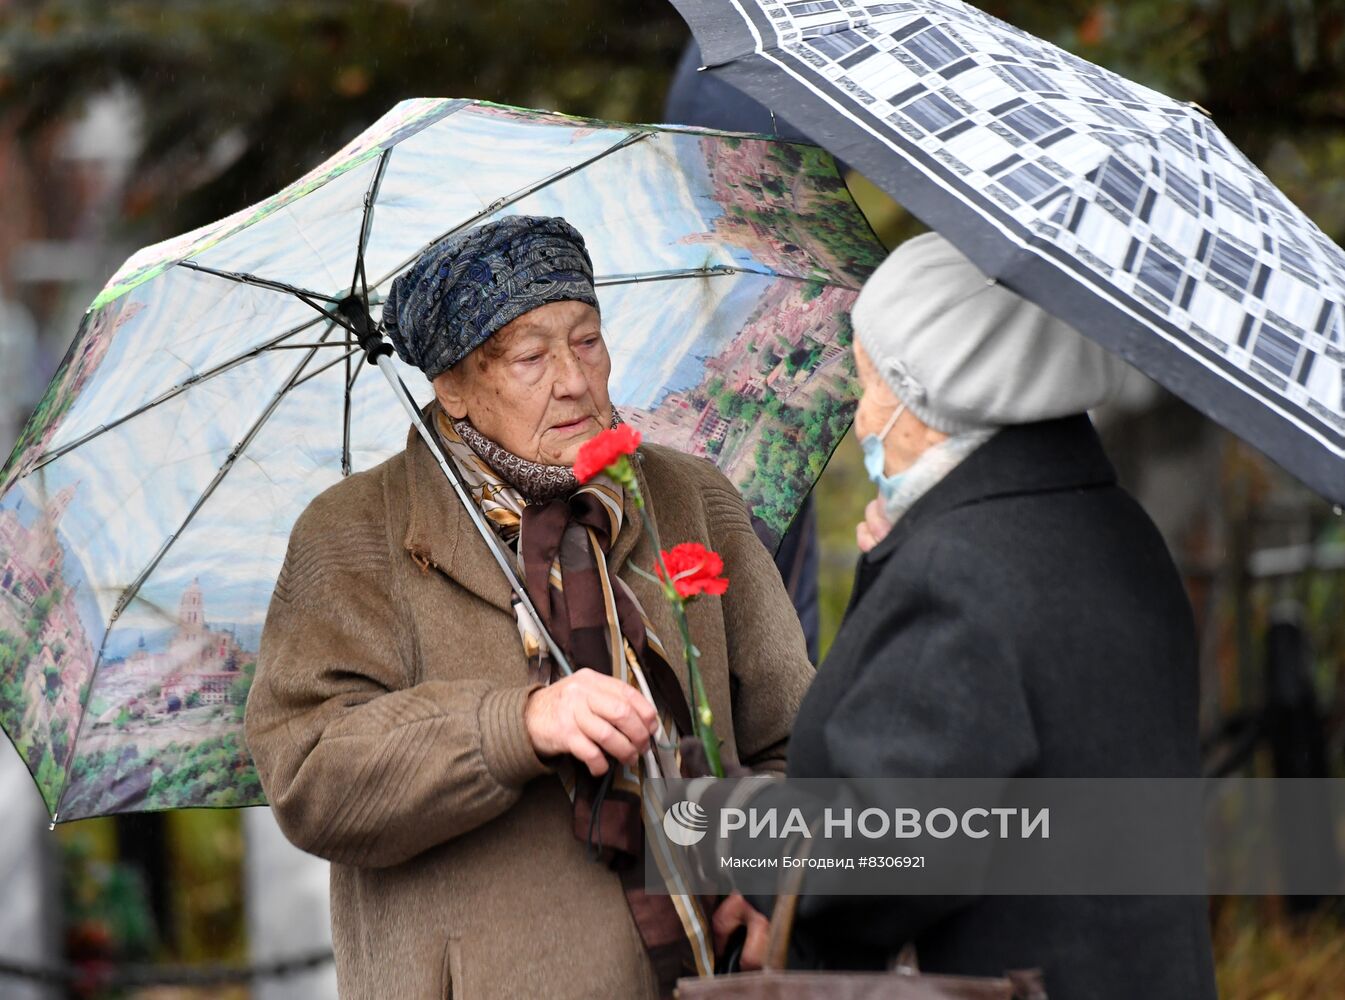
(573, 425)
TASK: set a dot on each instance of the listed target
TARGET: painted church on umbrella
(199, 660)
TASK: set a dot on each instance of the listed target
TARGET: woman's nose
(571, 379)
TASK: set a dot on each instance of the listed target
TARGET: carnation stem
(700, 712)
(646, 575)
(705, 730)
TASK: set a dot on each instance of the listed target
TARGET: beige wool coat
(386, 721)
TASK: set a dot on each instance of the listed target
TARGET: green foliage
(11, 695)
(42, 606)
(286, 84)
(9, 648)
(824, 204)
(803, 358)
(789, 458)
(49, 776)
(214, 772)
(104, 901)
(12, 659)
(845, 331)
(730, 406)
(788, 157)
(238, 690)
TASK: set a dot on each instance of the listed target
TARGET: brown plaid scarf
(594, 617)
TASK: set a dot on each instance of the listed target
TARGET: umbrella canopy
(1122, 211)
(215, 387)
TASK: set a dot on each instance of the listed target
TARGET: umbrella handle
(354, 311)
(378, 352)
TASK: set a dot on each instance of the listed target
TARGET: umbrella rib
(519, 195)
(367, 224)
(345, 421)
(366, 227)
(300, 347)
(351, 376)
(712, 271)
(176, 390)
(244, 278)
(129, 593)
(328, 366)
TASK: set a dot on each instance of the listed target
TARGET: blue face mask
(875, 461)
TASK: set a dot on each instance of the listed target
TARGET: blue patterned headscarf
(468, 285)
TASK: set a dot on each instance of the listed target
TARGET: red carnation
(694, 570)
(605, 450)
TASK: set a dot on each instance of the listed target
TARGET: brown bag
(902, 981)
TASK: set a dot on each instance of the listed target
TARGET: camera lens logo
(685, 823)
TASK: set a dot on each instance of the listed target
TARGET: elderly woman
(1015, 614)
(400, 726)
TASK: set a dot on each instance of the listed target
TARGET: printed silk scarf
(562, 544)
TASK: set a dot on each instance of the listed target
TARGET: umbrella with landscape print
(216, 386)
(1124, 212)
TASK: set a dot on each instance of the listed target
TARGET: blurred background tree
(123, 122)
(239, 98)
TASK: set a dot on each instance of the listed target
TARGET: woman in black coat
(1015, 614)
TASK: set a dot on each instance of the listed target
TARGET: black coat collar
(1042, 457)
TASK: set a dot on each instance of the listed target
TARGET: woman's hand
(732, 913)
(589, 715)
(875, 525)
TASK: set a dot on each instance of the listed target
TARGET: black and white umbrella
(1124, 212)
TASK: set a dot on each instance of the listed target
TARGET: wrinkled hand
(589, 715)
(875, 525)
(734, 912)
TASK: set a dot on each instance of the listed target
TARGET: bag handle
(786, 909)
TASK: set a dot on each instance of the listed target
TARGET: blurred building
(58, 184)
(287, 910)
(62, 185)
(29, 923)
(65, 190)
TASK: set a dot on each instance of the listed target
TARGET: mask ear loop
(891, 421)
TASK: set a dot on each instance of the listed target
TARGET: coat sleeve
(767, 652)
(938, 693)
(361, 766)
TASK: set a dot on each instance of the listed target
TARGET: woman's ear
(448, 390)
